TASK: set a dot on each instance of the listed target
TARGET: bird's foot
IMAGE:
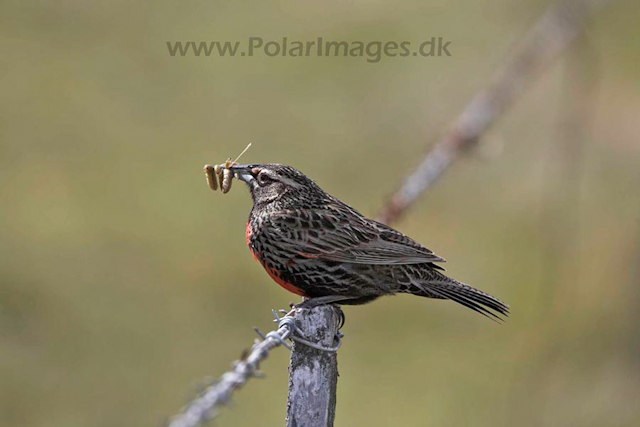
(332, 300)
(341, 315)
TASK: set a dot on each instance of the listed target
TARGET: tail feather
(469, 303)
(478, 301)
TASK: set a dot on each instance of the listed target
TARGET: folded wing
(333, 235)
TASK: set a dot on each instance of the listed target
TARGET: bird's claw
(343, 318)
(309, 304)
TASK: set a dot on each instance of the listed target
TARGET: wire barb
(217, 393)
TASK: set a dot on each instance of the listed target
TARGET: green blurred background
(125, 282)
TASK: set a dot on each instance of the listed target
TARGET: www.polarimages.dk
(256, 46)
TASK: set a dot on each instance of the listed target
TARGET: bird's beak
(243, 173)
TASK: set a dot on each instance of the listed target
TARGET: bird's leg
(309, 303)
(328, 299)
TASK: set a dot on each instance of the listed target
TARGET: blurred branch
(563, 173)
(560, 217)
(549, 37)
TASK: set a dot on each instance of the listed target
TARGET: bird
(314, 245)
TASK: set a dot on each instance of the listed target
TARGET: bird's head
(278, 184)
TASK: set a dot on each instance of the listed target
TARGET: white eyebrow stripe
(289, 182)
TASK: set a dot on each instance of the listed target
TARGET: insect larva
(218, 171)
(212, 179)
(227, 179)
(221, 175)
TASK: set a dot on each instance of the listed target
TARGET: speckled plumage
(317, 246)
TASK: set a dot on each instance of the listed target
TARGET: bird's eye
(263, 178)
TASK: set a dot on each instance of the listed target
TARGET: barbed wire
(206, 405)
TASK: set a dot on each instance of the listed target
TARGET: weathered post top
(313, 373)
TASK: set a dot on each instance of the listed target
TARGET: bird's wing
(331, 234)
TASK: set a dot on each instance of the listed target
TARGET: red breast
(275, 275)
(249, 233)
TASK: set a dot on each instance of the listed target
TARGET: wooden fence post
(313, 373)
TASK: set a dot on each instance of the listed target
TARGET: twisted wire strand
(299, 337)
(205, 407)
